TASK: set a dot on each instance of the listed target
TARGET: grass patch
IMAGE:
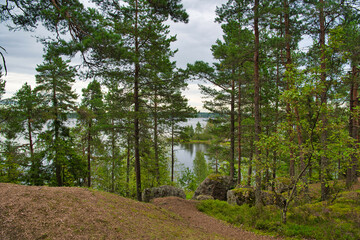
(189, 194)
(339, 221)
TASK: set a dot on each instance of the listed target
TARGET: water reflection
(185, 153)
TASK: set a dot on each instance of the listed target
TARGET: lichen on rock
(241, 195)
(216, 186)
(162, 191)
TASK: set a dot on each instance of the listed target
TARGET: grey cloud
(194, 42)
(23, 52)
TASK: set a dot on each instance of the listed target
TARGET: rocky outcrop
(282, 184)
(204, 197)
(271, 198)
(246, 195)
(241, 195)
(162, 191)
(216, 186)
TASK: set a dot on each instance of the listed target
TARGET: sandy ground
(79, 213)
(188, 211)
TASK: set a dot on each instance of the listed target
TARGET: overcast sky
(193, 43)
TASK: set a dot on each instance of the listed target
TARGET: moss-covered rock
(282, 184)
(162, 191)
(241, 195)
(216, 186)
(204, 197)
(272, 198)
(215, 177)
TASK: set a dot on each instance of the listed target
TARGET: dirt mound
(188, 211)
(76, 213)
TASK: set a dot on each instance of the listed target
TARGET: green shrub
(319, 220)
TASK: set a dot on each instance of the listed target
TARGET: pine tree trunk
(323, 137)
(257, 104)
(157, 168)
(128, 167)
(288, 83)
(232, 128)
(34, 166)
(112, 157)
(172, 152)
(351, 175)
(89, 153)
(239, 132)
(58, 167)
(278, 63)
(137, 109)
(249, 177)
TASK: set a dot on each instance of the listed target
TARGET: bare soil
(78, 213)
(188, 211)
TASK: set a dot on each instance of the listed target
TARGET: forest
(279, 108)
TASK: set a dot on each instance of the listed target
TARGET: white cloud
(14, 81)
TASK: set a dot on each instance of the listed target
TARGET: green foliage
(174, 8)
(215, 177)
(200, 167)
(54, 81)
(318, 220)
(11, 166)
(187, 179)
(233, 214)
(30, 122)
(186, 133)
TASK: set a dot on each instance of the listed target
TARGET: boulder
(282, 184)
(241, 195)
(271, 198)
(204, 197)
(216, 186)
(162, 191)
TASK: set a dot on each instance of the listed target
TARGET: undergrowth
(322, 220)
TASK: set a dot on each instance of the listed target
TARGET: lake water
(193, 121)
(185, 152)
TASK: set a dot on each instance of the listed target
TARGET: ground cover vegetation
(283, 90)
(337, 218)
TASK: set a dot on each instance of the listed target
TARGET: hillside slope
(78, 213)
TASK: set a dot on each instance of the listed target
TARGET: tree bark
(288, 83)
(232, 127)
(323, 137)
(128, 167)
(172, 152)
(89, 152)
(257, 104)
(112, 157)
(137, 108)
(157, 168)
(250, 162)
(58, 167)
(34, 165)
(351, 176)
(239, 132)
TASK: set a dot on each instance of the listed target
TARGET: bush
(313, 221)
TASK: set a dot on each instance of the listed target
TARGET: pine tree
(92, 111)
(29, 114)
(143, 41)
(54, 81)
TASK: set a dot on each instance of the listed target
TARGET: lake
(185, 152)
